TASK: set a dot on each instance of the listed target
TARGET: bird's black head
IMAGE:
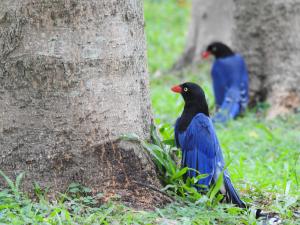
(217, 49)
(194, 97)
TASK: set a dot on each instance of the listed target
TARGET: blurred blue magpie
(230, 81)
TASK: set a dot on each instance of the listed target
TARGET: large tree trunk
(73, 78)
(268, 34)
(210, 21)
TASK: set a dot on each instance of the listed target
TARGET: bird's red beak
(177, 89)
(205, 54)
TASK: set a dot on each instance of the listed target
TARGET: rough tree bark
(73, 78)
(210, 21)
(268, 34)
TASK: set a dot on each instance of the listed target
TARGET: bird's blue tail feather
(231, 107)
(231, 195)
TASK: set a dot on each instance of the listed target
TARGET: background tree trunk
(73, 78)
(268, 34)
(211, 20)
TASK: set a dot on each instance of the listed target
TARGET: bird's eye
(185, 89)
(214, 49)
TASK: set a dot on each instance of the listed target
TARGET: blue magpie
(201, 151)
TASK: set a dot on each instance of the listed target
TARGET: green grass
(264, 154)
(166, 25)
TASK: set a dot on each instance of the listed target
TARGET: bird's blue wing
(235, 99)
(233, 69)
(199, 148)
(230, 107)
(219, 82)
